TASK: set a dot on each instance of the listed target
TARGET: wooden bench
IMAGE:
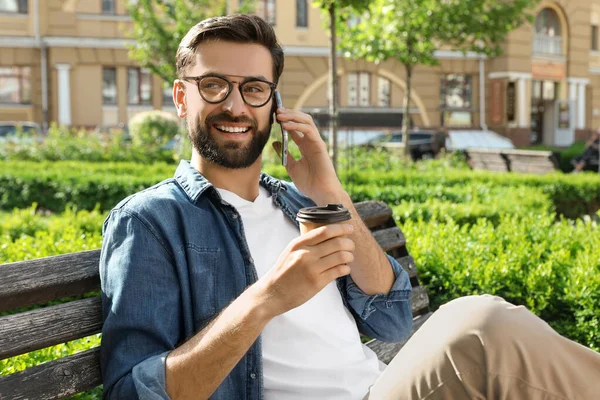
(27, 283)
(523, 161)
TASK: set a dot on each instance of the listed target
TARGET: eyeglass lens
(215, 89)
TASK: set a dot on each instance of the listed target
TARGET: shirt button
(253, 375)
(235, 216)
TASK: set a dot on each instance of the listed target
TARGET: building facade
(67, 61)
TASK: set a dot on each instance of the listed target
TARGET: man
(209, 290)
(590, 154)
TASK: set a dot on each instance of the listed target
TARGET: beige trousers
(481, 347)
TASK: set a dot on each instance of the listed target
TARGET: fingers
(334, 245)
(337, 258)
(327, 232)
(333, 273)
(299, 123)
(297, 116)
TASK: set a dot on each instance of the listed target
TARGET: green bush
(80, 145)
(153, 128)
(54, 186)
(551, 267)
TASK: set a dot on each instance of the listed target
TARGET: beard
(231, 155)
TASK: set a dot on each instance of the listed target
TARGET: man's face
(231, 133)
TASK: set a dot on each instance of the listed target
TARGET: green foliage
(67, 144)
(551, 267)
(159, 26)
(153, 128)
(27, 235)
(53, 186)
(411, 31)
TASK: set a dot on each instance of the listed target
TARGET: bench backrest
(28, 283)
(525, 161)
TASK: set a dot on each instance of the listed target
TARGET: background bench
(524, 161)
(28, 283)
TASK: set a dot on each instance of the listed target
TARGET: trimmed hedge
(56, 185)
(551, 267)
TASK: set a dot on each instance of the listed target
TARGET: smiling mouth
(232, 129)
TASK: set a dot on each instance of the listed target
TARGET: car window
(7, 130)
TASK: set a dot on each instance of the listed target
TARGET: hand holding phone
(284, 134)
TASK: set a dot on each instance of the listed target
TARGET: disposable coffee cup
(314, 217)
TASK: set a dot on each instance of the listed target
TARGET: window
(13, 6)
(383, 92)
(359, 89)
(139, 86)
(108, 6)
(455, 100)
(268, 11)
(109, 86)
(547, 23)
(594, 37)
(301, 14)
(547, 38)
(15, 85)
(456, 91)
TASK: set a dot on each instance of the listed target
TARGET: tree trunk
(406, 117)
(333, 101)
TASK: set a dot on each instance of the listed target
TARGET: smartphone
(284, 134)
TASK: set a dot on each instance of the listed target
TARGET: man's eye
(253, 88)
(212, 85)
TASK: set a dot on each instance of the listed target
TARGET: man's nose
(234, 103)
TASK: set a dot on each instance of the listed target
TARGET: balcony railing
(547, 45)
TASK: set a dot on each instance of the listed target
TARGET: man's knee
(485, 314)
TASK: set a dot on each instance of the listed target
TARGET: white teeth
(232, 129)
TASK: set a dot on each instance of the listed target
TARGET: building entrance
(543, 97)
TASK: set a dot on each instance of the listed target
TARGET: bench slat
(408, 263)
(37, 329)
(50, 278)
(373, 213)
(390, 238)
(419, 301)
(387, 351)
(54, 380)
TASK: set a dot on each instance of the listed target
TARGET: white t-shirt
(312, 351)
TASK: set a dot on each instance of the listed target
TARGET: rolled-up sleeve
(140, 304)
(386, 317)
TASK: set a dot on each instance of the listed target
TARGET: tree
(159, 26)
(328, 8)
(410, 31)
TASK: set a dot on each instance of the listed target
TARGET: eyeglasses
(215, 88)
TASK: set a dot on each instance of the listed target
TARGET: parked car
(20, 132)
(422, 143)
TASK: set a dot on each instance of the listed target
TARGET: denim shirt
(175, 255)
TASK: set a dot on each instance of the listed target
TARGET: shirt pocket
(203, 267)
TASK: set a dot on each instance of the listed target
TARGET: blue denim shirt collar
(194, 184)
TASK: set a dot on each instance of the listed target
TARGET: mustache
(225, 117)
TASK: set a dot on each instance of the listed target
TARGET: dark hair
(239, 28)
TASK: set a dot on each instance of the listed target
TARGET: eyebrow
(244, 78)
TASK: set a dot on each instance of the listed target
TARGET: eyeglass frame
(246, 79)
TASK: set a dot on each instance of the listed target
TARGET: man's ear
(179, 98)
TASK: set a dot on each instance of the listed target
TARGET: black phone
(284, 134)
